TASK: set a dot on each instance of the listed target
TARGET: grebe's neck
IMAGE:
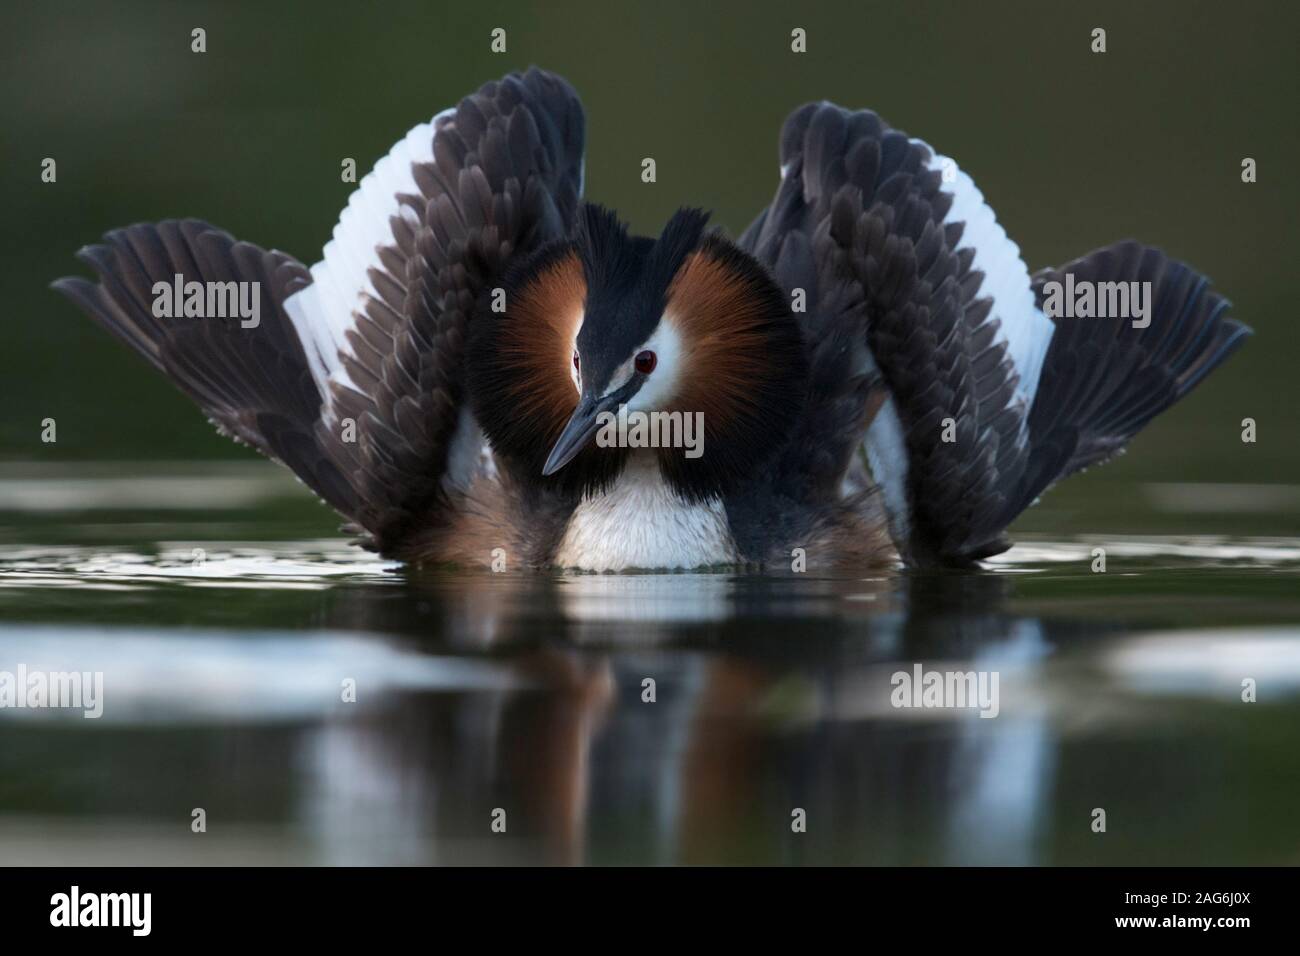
(641, 522)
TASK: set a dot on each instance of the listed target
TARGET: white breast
(640, 523)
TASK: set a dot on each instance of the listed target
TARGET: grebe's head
(686, 323)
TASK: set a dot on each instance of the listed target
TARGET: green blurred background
(1073, 149)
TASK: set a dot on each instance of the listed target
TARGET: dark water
(224, 637)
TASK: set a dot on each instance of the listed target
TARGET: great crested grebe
(875, 374)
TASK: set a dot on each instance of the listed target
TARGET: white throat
(640, 523)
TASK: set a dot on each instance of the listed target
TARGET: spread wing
(353, 377)
(916, 293)
(905, 259)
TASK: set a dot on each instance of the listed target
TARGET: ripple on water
(324, 562)
(284, 565)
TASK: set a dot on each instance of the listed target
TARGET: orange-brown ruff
(547, 312)
(873, 365)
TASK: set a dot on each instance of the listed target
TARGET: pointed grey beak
(581, 426)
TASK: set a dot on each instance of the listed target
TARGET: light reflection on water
(223, 662)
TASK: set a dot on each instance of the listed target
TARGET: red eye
(646, 361)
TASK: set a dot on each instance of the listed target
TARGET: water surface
(225, 623)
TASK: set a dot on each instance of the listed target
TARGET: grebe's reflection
(682, 718)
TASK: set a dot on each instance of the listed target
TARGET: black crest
(627, 283)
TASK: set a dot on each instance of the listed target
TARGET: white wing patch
(887, 458)
(1024, 328)
(322, 312)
